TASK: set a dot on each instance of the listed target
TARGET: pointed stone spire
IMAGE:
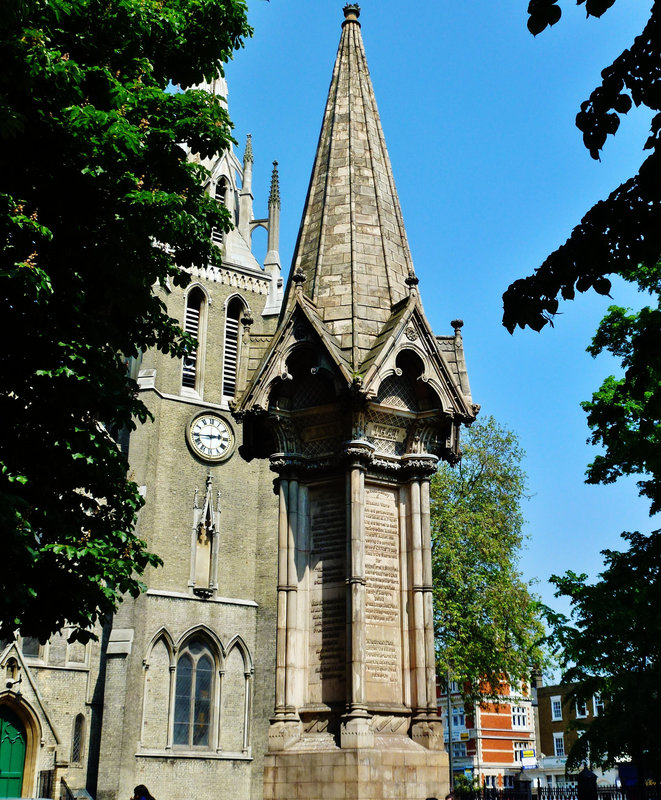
(274, 194)
(352, 244)
(245, 194)
(247, 156)
(272, 259)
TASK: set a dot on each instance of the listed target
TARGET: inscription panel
(327, 624)
(383, 639)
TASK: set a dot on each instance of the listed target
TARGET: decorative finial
(299, 279)
(274, 194)
(457, 324)
(247, 156)
(411, 280)
(351, 13)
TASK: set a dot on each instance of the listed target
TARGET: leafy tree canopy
(624, 231)
(612, 646)
(98, 203)
(625, 414)
(487, 622)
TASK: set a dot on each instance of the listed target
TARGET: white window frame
(597, 704)
(559, 745)
(458, 718)
(518, 748)
(556, 708)
(520, 718)
(581, 710)
(459, 750)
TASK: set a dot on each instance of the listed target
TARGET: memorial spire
(352, 246)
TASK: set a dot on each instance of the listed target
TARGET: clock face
(210, 437)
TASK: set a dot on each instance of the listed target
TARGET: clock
(210, 437)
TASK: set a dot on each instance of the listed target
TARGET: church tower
(354, 403)
(189, 664)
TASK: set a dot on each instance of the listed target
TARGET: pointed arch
(204, 631)
(158, 690)
(196, 690)
(29, 719)
(239, 643)
(196, 301)
(235, 699)
(236, 309)
(78, 739)
(161, 633)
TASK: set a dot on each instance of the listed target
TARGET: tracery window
(194, 686)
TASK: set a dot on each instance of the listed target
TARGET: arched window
(190, 376)
(231, 347)
(193, 695)
(77, 739)
(11, 670)
(222, 196)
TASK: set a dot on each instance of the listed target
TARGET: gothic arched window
(190, 376)
(231, 347)
(222, 196)
(193, 704)
(77, 740)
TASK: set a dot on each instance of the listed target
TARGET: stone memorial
(355, 402)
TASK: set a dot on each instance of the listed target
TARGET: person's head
(141, 792)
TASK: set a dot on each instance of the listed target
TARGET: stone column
(428, 601)
(427, 728)
(355, 730)
(291, 661)
(418, 667)
(281, 633)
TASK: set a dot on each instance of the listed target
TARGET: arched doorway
(13, 741)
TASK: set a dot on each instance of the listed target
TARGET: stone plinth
(396, 768)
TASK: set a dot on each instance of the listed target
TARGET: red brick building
(491, 741)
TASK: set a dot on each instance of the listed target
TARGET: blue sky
(492, 175)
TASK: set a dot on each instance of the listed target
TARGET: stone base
(396, 768)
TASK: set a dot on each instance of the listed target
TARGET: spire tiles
(352, 244)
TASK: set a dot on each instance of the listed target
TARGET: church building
(286, 645)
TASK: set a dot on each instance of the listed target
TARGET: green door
(12, 753)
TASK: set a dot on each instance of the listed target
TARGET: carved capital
(420, 466)
(360, 453)
(287, 465)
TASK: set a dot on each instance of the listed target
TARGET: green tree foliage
(487, 622)
(613, 647)
(98, 204)
(624, 230)
(625, 414)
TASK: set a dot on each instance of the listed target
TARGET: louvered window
(231, 349)
(217, 237)
(189, 373)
